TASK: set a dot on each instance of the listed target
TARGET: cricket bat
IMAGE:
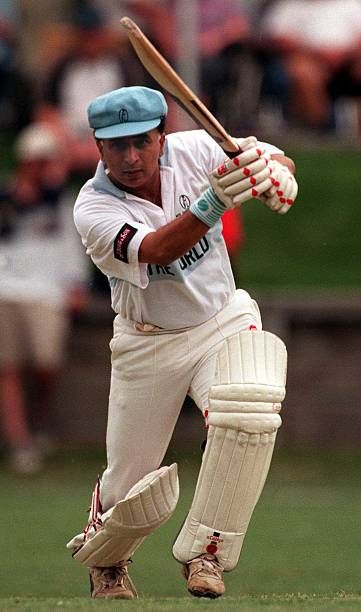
(167, 77)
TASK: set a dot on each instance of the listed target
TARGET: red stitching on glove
(252, 180)
(221, 169)
(206, 419)
(254, 192)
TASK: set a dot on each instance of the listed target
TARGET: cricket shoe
(204, 576)
(112, 582)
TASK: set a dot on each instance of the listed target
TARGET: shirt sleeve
(112, 241)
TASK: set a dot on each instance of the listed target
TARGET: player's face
(133, 162)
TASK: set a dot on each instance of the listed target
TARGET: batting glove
(283, 192)
(243, 177)
(209, 207)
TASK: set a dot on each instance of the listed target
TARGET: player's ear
(99, 144)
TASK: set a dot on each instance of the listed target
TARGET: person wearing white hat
(37, 141)
(150, 219)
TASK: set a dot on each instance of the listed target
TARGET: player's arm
(171, 241)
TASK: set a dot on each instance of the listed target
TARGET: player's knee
(250, 383)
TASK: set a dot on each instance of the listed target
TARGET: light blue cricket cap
(127, 111)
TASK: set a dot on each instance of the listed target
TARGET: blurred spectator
(95, 63)
(9, 11)
(16, 97)
(43, 276)
(319, 43)
(222, 36)
(40, 25)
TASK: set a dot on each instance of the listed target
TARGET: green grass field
(302, 550)
(316, 244)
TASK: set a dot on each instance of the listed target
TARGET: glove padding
(283, 192)
(243, 177)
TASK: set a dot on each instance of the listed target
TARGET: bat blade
(167, 77)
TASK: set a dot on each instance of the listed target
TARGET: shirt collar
(102, 183)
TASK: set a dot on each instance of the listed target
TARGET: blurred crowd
(263, 67)
(262, 64)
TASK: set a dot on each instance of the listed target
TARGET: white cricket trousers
(152, 372)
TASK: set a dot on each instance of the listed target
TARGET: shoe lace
(210, 565)
(115, 575)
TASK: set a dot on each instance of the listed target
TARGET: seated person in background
(319, 42)
(223, 36)
(16, 96)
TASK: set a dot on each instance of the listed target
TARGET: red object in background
(233, 231)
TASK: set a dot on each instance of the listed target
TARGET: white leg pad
(117, 533)
(243, 419)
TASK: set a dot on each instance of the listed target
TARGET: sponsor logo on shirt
(195, 254)
(121, 242)
(184, 265)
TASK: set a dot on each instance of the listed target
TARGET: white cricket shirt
(113, 223)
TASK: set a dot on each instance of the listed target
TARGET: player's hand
(283, 192)
(245, 143)
(244, 177)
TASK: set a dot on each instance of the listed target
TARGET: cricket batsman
(151, 220)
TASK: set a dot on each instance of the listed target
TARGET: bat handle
(231, 147)
(233, 154)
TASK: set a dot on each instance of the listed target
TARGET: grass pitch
(272, 603)
(301, 551)
(313, 246)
